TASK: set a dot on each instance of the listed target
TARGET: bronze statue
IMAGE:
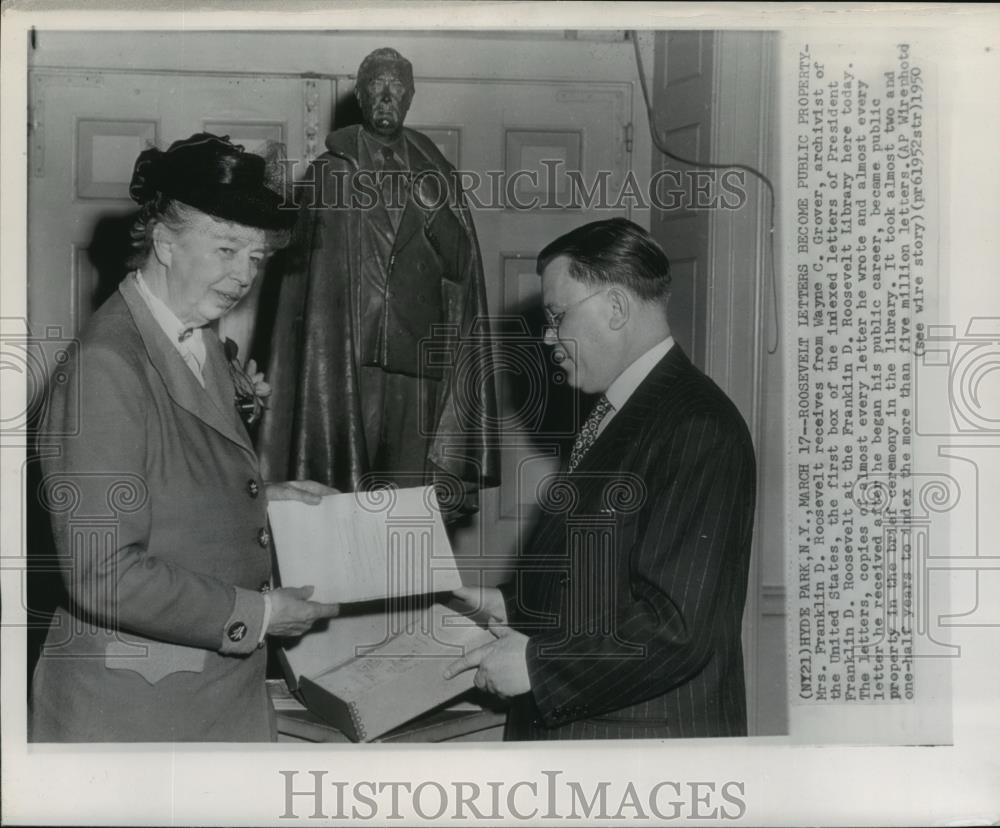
(380, 353)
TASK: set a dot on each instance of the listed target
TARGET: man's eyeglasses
(554, 320)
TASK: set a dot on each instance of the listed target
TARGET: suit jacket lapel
(412, 218)
(603, 463)
(645, 401)
(411, 221)
(207, 405)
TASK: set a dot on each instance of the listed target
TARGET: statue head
(384, 91)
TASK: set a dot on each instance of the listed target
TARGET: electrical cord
(661, 146)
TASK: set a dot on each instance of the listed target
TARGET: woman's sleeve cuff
(245, 626)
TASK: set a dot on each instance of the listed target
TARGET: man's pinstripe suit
(632, 588)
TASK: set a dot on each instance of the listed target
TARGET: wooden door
(524, 140)
(88, 127)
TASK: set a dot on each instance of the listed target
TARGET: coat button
(263, 537)
(265, 586)
(253, 488)
(237, 631)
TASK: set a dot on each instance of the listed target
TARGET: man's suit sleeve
(115, 581)
(683, 563)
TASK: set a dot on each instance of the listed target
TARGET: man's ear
(621, 307)
(163, 243)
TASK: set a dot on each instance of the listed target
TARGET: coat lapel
(346, 144)
(219, 385)
(634, 416)
(412, 218)
(604, 458)
(207, 405)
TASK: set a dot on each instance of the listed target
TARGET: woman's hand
(292, 613)
(306, 491)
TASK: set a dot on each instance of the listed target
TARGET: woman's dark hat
(215, 176)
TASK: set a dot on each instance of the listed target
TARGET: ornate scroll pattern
(310, 96)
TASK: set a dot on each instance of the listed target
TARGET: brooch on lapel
(251, 390)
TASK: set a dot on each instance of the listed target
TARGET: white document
(365, 546)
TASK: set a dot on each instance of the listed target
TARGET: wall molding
(742, 116)
(594, 88)
(310, 117)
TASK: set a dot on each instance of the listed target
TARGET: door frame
(741, 278)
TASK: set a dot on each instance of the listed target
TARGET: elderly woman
(168, 581)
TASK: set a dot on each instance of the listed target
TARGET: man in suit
(380, 358)
(624, 618)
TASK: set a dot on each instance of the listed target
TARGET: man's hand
(307, 491)
(292, 613)
(502, 665)
(482, 599)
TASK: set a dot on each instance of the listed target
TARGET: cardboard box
(398, 680)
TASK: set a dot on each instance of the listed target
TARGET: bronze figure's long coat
(396, 336)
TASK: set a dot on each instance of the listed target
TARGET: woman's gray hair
(160, 210)
(175, 215)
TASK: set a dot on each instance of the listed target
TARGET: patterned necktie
(585, 439)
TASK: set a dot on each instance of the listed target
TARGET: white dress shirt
(631, 378)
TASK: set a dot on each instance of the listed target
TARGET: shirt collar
(182, 336)
(628, 380)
